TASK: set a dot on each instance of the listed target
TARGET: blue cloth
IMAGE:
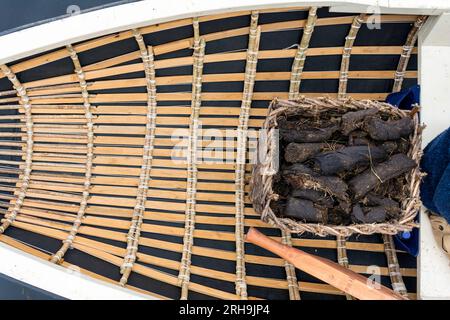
(405, 99)
(408, 241)
(435, 188)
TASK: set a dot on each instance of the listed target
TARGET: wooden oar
(328, 271)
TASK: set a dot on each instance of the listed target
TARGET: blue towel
(405, 99)
(435, 188)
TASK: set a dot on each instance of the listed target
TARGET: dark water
(12, 289)
(19, 14)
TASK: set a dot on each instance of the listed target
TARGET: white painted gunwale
(58, 33)
(434, 78)
(64, 282)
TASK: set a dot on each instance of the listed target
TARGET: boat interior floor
(93, 138)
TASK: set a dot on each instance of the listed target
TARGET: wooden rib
(300, 56)
(101, 251)
(156, 274)
(217, 57)
(294, 89)
(216, 162)
(169, 192)
(114, 61)
(394, 269)
(206, 96)
(111, 253)
(210, 78)
(99, 216)
(95, 43)
(206, 252)
(272, 283)
(67, 243)
(25, 101)
(294, 290)
(310, 287)
(158, 216)
(406, 53)
(191, 188)
(342, 256)
(22, 246)
(219, 254)
(141, 197)
(250, 74)
(187, 61)
(349, 40)
(10, 107)
(268, 27)
(108, 39)
(157, 204)
(9, 100)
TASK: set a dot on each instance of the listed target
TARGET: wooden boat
(88, 179)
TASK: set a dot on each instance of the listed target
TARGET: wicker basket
(261, 191)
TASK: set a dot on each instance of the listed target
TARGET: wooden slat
(225, 77)
(202, 251)
(206, 96)
(218, 57)
(22, 94)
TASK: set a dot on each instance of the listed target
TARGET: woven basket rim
(261, 192)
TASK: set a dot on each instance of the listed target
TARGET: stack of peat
(344, 167)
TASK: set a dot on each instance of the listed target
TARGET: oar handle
(326, 270)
